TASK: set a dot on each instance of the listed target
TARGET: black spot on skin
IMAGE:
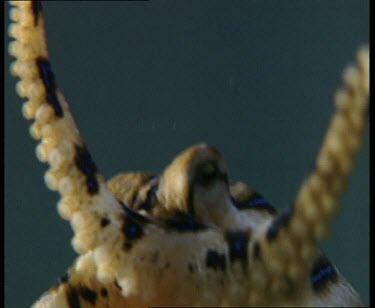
(87, 166)
(191, 268)
(256, 202)
(215, 260)
(256, 251)
(238, 241)
(150, 194)
(183, 222)
(72, 297)
(279, 221)
(133, 221)
(132, 226)
(134, 215)
(132, 230)
(134, 198)
(36, 6)
(88, 294)
(104, 222)
(49, 82)
(104, 292)
(147, 204)
(322, 273)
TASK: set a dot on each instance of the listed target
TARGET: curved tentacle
(85, 199)
(290, 241)
(271, 264)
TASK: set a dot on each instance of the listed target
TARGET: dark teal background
(145, 80)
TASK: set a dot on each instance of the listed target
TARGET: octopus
(189, 235)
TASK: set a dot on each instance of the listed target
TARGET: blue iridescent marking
(255, 202)
(147, 204)
(237, 242)
(183, 222)
(258, 201)
(132, 227)
(190, 224)
(322, 272)
(237, 245)
(279, 221)
(87, 166)
(91, 185)
(49, 82)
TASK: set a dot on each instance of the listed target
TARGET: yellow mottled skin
(179, 250)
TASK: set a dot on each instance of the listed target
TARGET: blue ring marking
(279, 221)
(87, 166)
(50, 84)
(322, 273)
(150, 194)
(132, 226)
(183, 224)
(257, 202)
(237, 242)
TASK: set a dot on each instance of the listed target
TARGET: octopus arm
(85, 199)
(290, 240)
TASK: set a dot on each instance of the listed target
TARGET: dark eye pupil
(206, 174)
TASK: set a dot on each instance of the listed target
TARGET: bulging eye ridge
(207, 173)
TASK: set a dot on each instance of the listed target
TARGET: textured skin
(119, 245)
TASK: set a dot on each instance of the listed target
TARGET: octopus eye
(207, 174)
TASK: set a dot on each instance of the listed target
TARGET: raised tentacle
(270, 265)
(85, 199)
(290, 241)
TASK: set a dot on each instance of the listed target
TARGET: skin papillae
(186, 237)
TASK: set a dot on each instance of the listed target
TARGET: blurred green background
(145, 80)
